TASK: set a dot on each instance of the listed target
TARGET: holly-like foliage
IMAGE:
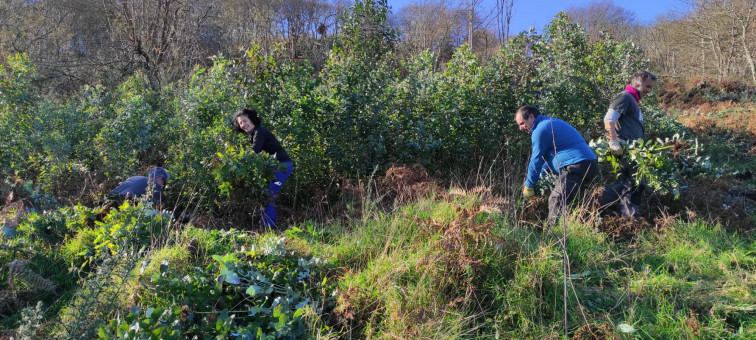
(259, 293)
(366, 109)
(665, 165)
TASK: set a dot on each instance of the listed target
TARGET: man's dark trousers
(571, 179)
(626, 192)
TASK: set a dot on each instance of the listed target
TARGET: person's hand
(527, 192)
(615, 147)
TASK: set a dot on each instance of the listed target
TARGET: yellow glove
(615, 148)
(527, 192)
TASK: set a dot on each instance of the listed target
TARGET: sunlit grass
(445, 266)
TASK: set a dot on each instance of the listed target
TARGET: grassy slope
(408, 277)
(452, 265)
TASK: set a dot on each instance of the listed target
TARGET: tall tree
(471, 8)
(157, 33)
(604, 16)
(503, 18)
(431, 25)
(742, 13)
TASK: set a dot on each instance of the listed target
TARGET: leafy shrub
(151, 323)
(83, 238)
(660, 124)
(283, 92)
(365, 109)
(663, 164)
(205, 122)
(79, 249)
(134, 137)
(16, 101)
(262, 293)
(46, 227)
(16, 83)
(573, 77)
(241, 175)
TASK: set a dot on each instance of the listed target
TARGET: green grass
(438, 267)
(691, 280)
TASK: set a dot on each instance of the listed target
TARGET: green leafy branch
(663, 164)
(239, 171)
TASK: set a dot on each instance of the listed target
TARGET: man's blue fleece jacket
(556, 144)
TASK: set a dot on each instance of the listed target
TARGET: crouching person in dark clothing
(137, 186)
(558, 147)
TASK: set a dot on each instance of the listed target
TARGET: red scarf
(634, 92)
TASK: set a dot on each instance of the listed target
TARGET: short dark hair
(158, 172)
(249, 113)
(636, 80)
(525, 111)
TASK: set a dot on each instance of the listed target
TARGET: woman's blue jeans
(270, 217)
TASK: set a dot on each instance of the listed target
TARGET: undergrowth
(454, 263)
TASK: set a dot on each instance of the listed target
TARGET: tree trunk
(748, 57)
(470, 16)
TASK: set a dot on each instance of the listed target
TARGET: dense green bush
(367, 108)
(16, 100)
(262, 293)
(135, 135)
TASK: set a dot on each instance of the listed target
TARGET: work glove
(527, 192)
(615, 148)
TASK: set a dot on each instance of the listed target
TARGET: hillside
(403, 217)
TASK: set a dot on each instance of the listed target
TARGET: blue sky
(538, 13)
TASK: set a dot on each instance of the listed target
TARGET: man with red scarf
(624, 123)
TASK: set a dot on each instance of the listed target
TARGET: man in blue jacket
(135, 187)
(557, 147)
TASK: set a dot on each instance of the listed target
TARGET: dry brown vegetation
(712, 108)
(594, 332)
(725, 201)
(402, 184)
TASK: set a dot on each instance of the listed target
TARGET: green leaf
(625, 328)
(254, 290)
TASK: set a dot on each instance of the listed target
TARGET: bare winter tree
(503, 18)
(471, 7)
(26, 26)
(707, 39)
(660, 42)
(162, 38)
(481, 36)
(604, 16)
(742, 14)
(304, 26)
(430, 25)
(249, 22)
(67, 40)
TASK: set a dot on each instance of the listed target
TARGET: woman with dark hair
(247, 121)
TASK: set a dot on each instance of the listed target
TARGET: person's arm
(616, 109)
(258, 140)
(541, 141)
(611, 130)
